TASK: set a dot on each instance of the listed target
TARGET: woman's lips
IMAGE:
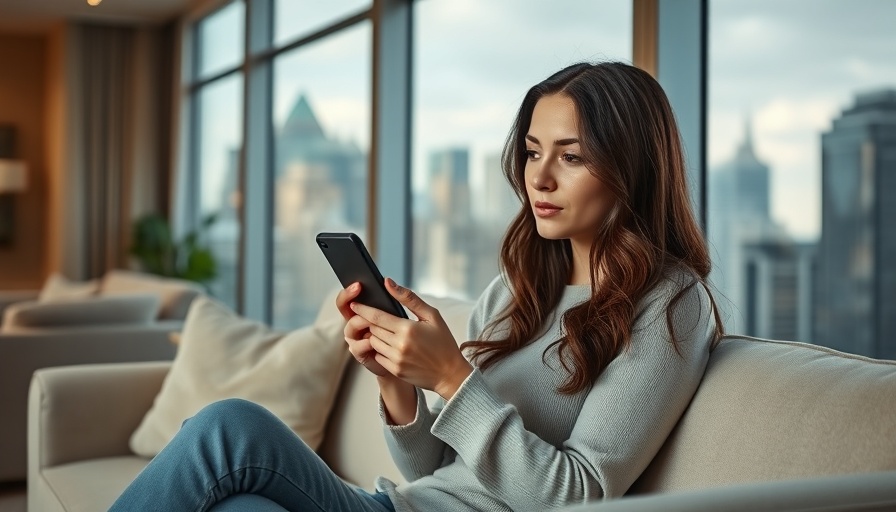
(544, 209)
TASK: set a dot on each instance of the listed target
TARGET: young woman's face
(566, 199)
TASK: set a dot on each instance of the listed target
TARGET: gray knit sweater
(508, 441)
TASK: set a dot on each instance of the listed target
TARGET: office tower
(777, 299)
(302, 141)
(450, 229)
(320, 184)
(498, 202)
(856, 280)
(763, 275)
(738, 215)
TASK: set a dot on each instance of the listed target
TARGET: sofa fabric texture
(776, 410)
(221, 355)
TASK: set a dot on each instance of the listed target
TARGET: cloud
(794, 73)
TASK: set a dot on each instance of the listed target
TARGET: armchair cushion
(58, 287)
(222, 355)
(175, 294)
(124, 309)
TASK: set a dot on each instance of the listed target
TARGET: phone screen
(352, 263)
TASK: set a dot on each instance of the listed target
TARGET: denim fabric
(239, 454)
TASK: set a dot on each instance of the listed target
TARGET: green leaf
(158, 253)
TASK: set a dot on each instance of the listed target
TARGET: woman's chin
(549, 234)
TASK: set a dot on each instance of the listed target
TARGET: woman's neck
(581, 264)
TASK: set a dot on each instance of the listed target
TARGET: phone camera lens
(323, 244)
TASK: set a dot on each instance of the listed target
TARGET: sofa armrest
(10, 297)
(22, 354)
(846, 493)
(88, 411)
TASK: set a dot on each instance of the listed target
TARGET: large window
(321, 140)
(800, 147)
(295, 18)
(473, 62)
(218, 127)
(279, 146)
(802, 153)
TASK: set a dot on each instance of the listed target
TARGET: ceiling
(40, 15)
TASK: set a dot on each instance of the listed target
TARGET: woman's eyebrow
(561, 142)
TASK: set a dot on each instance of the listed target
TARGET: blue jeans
(236, 455)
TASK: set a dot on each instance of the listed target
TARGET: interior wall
(22, 105)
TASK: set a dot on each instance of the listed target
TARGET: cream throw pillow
(222, 355)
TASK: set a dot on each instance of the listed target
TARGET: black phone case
(352, 263)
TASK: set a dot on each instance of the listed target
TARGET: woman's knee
(232, 412)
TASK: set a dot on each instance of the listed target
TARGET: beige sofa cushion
(175, 294)
(222, 355)
(775, 410)
(123, 309)
(85, 486)
(58, 287)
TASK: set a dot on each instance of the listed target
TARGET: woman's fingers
(383, 348)
(344, 299)
(356, 327)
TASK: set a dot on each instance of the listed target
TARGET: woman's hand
(421, 352)
(357, 332)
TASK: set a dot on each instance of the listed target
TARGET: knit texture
(508, 441)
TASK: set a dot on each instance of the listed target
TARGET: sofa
(773, 426)
(127, 317)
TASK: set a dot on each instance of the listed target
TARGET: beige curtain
(118, 167)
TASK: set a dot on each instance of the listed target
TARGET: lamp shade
(13, 176)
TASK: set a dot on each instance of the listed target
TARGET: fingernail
(393, 283)
(353, 287)
(352, 306)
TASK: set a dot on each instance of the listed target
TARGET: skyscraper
(763, 274)
(446, 235)
(856, 281)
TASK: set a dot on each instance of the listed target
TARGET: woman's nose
(542, 178)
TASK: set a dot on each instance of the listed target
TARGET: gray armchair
(110, 330)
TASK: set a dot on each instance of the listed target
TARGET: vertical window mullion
(681, 70)
(390, 195)
(256, 168)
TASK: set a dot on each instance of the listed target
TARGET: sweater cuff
(472, 404)
(421, 418)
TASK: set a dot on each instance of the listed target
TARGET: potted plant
(159, 253)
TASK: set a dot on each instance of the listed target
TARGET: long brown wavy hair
(630, 141)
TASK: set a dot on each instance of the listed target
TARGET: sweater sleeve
(625, 418)
(414, 448)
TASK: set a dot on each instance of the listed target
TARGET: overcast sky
(792, 65)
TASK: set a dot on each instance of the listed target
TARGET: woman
(586, 350)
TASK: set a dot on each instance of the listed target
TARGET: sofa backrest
(773, 410)
(175, 295)
(136, 309)
(354, 445)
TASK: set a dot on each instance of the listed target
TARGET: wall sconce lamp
(13, 180)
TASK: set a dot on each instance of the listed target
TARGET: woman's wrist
(399, 399)
(454, 380)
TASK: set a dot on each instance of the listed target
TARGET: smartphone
(352, 263)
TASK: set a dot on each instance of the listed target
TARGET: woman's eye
(531, 154)
(572, 159)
